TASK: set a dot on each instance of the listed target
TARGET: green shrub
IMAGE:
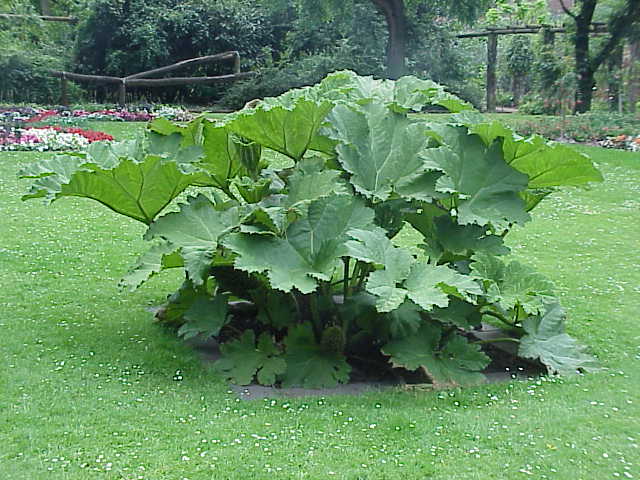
(537, 104)
(302, 199)
(30, 48)
(122, 38)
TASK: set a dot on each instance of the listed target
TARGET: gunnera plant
(290, 245)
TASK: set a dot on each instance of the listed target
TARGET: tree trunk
(584, 72)
(587, 64)
(492, 56)
(396, 18)
(614, 78)
(634, 74)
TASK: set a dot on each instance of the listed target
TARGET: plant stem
(496, 340)
(298, 308)
(500, 317)
(356, 272)
(516, 316)
(345, 284)
(315, 316)
(364, 271)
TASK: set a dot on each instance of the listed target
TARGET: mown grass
(92, 389)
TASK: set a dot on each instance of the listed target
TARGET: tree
(587, 61)
(397, 14)
(396, 17)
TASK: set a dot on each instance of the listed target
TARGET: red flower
(41, 116)
(90, 135)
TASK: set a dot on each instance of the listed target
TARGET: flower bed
(623, 142)
(64, 115)
(609, 130)
(49, 138)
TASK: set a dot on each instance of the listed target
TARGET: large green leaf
(401, 276)
(445, 240)
(275, 308)
(547, 164)
(310, 181)
(404, 320)
(267, 220)
(309, 365)
(285, 268)
(225, 154)
(189, 133)
(310, 248)
(222, 153)
(379, 148)
(288, 124)
(405, 94)
(374, 247)
(429, 285)
(173, 310)
(205, 317)
(552, 165)
(487, 187)
(513, 284)
(546, 340)
(122, 176)
(455, 363)
(159, 257)
(242, 359)
(411, 93)
(195, 230)
(459, 313)
(390, 295)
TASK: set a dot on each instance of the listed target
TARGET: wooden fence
(492, 48)
(140, 80)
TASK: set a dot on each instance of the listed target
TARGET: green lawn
(90, 388)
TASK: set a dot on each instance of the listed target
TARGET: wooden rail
(46, 18)
(138, 80)
(595, 28)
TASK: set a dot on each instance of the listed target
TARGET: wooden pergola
(492, 34)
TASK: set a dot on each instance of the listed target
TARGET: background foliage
(294, 43)
(29, 48)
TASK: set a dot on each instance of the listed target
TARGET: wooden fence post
(236, 63)
(492, 57)
(122, 93)
(64, 97)
(548, 37)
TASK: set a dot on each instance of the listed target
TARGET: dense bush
(276, 77)
(290, 250)
(288, 45)
(121, 38)
(30, 48)
(25, 77)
